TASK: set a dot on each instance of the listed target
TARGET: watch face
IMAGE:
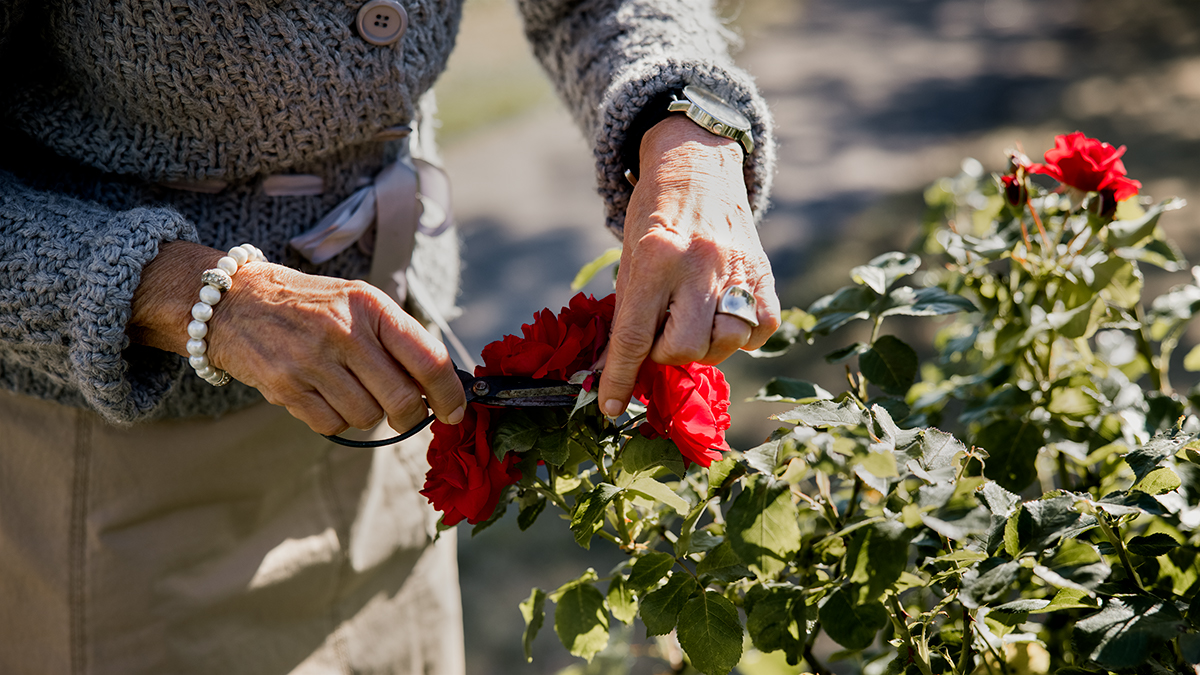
(714, 106)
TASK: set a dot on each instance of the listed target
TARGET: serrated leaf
(660, 608)
(1012, 447)
(643, 454)
(846, 353)
(877, 556)
(656, 491)
(889, 364)
(788, 390)
(988, 581)
(825, 414)
(776, 619)
(515, 433)
(1159, 481)
(534, 611)
(764, 458)
(851, 625)
(1129, 232)
(710, 632)
(1152, 545)
(723, 473)
(932, 301)
(530, 511)
(761, 525)
(588, 515)
(608, 257)
(1123, 634)
(621, 602)
(723, 563)
(581, 620)
(1146, 458)
(648, 569)
(883, 269)
(999, 501)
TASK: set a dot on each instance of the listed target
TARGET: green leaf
(1012, 447)
(846, 353)
(988, 581)
(722, 474)
(581, 620)
(642, 454)
(825, 414)
(932, 301)
(1129, 232)
(531, 508)
(1048, 521)
(648, 569)
(1158, 481)
(588, 515)
(608, 257)
(723, 563)
(841, 307)
(515, 433)
(788, 390)
(938, 450)
(710, 632)
(889, 364)
(551, 446)
(1189, 648)
(534, 611)
(850, 625)
(761, 525)
(877, 556)
(660, 608)
(882, 270)
(792, 323)
(776, 619)
(1070, 598)
(1078, 322)
(656, 491)
(1191, 362)
(1152, 545)
(1144, 459)
(621, 601)
(1127, 630)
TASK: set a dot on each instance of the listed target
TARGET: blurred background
(873, 100)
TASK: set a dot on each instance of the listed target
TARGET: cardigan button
(381, 22)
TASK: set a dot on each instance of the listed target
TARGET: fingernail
(613, 408)
(457, 416)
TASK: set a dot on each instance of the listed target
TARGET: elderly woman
(151, 522)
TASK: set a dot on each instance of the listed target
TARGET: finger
(768, 312)
(686, 334)
(312, 409)
(395, 391)
(729, 334)
(347, 396)
(629, 343)
(426, 361)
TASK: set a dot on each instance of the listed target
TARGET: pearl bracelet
(216, 281)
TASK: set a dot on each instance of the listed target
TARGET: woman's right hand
(335, 353)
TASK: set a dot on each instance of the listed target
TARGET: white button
(382, 22)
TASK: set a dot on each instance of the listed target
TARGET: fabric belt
(406, 197)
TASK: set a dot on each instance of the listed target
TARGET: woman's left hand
(689, 235)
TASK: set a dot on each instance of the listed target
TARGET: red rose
(1014, 189)
(465, 479)
(1089, 165)
(687, 404)
(554, 347)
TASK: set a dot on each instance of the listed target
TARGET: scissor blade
(521, 392)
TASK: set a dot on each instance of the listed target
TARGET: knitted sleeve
(68, 270)
(611, 58)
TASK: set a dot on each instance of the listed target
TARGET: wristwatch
(711, 112)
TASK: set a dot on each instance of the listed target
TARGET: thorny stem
(552, 495)
(622, 526)
(1102, 519)
(917, 656)
(964, 657)
(1038, 221)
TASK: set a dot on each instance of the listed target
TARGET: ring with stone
(738, 301)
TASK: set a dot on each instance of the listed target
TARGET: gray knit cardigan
(102, 103)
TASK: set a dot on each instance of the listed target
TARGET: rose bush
(1026, 500)
(465, 479)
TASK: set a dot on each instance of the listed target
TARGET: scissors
(506, 391)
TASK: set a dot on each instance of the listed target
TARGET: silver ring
(739, 301)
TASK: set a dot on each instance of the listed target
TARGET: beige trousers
(247, 544)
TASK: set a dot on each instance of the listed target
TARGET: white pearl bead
(196, 347)
(240, 254)
(209, 295)
(206, 372)
(202, 312)
(216, 376)
(197, 329)
(198, 362)
(228, 264)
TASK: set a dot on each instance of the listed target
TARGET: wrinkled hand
(689, 235)
(335, 353)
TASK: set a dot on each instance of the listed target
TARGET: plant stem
(1143, 343)
(622, 526)
(915, 654)
(1102, 519)
(1038, 221)
(817, 667)
(964, 657)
